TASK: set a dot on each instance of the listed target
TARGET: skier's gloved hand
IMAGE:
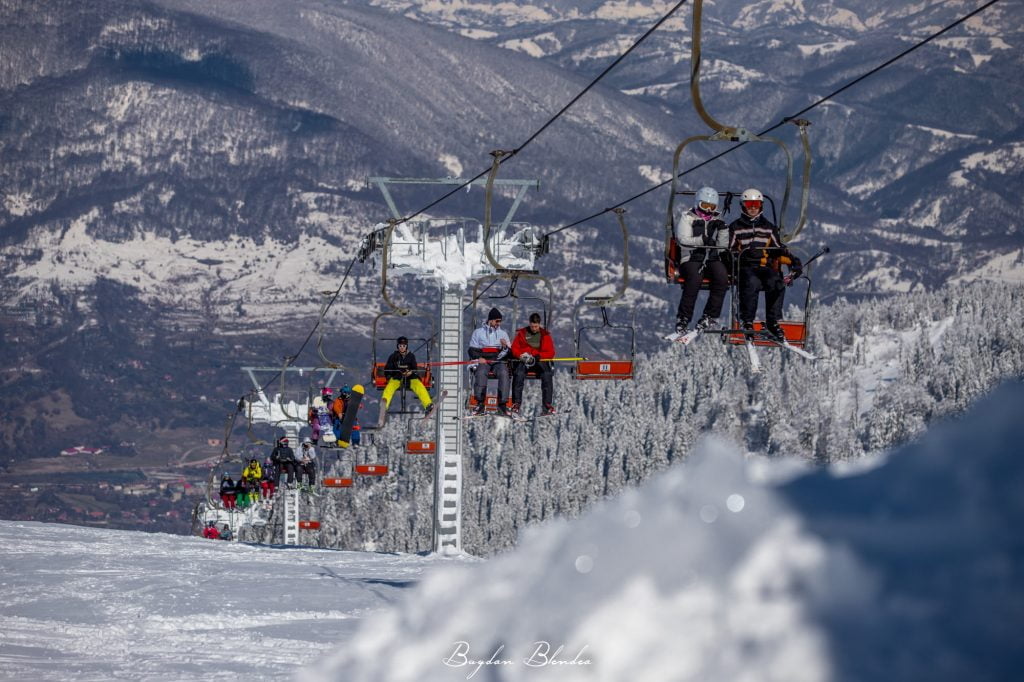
(528, 359)
(796, 268)
(709, 239)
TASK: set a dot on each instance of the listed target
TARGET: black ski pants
(544, 373)
(719, 280)
(757, 278)
(500, 369)
(285, 468)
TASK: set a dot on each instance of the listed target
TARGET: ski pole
(788, 279)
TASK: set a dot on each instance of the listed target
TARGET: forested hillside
(887, 368)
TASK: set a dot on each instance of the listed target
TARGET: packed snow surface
(719, 569)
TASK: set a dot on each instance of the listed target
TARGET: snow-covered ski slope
(89, 604)
(720, 569)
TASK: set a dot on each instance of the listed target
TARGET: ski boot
(682, 324)
(705, 323)
(774, 332)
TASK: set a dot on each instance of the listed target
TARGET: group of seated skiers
(326, 413)
(260, 482)
(213, 533)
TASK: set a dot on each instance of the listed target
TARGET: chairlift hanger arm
(738, 134)
(384, 270)
(605, 300)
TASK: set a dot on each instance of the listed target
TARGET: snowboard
(349, 419)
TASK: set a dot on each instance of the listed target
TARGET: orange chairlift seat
(377, 374)
(795, 330)
(618, 367)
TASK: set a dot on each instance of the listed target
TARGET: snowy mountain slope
(182, 179)
(910, 570)
(876, 147)
(87, 604)
(887, 370)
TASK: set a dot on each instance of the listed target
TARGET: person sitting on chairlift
(401, 369)
(533, 346)
(284, 461)
(490, 345)
(757, 243)
(697, 229)
(320, 405)
(227, 491)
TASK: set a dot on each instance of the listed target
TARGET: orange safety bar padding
(796, 334)
(490, 403)
(604, 369)
(420, 447)
(372, 469)
(337, 482)
(309, 525)
(380, 380)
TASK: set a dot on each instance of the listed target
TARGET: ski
(799, 351)
(433, 406)
(755, 360)
(787, 345)
(682, 337)
(518, 420)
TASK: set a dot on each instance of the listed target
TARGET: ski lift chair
(617, 368)
(545, 306)
(795, 330)
(380, 379)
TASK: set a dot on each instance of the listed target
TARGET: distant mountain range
(181, 178)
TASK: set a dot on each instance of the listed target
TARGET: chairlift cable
(787, 119)
(555, 116)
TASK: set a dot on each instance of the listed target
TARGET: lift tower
(451, 253)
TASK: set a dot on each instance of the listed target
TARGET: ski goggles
(753, 204)
(708, 207)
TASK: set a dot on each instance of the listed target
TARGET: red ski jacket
(520, 346)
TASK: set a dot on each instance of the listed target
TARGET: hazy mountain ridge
(199, 166)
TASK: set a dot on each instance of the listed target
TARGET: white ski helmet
(752, 195)
(706, 195)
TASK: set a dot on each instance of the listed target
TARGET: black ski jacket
(397, 364)
(756, 241)
(282, 454)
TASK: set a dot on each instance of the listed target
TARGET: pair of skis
(755, 358)
(686, 338)
(518, 419)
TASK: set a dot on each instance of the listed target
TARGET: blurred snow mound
(910, 570)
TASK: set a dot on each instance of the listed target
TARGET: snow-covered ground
(89, 604)
(719, 569)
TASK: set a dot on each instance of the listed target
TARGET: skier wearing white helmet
(695, 230)
(761, 254)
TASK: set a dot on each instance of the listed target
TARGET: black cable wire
(594, 82)
(435, 202)
(553, 118)
(579, 96)
(785, 120)
(292, 358)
